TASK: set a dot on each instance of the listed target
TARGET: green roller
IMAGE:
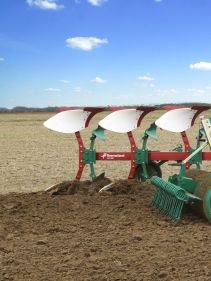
(170, 188)
(203, 191)
(168, 198)
(207, 205)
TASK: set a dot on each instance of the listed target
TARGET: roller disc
(203, 190)
(153, 169)
(207, 204)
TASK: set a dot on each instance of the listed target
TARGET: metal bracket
(197, 158)
(89, 156)
(141, 156)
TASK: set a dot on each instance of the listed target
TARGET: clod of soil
(80, 187)
(92, 187)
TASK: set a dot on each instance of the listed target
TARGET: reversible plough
(190, 186)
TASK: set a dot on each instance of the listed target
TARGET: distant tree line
(28, 109)
(56, 108)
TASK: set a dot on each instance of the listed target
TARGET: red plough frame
(130, 156)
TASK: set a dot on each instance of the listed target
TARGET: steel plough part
(180, 189)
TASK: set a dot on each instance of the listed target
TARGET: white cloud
(146, 78)
(64, 81)
(198, 91)
(53, 90)
(45, 4)
(158, 1)
(77, 89)
(152, 85)
(174, 91)
(99, 80)
(96, 2)
(85, 43)
(202, 65)
(1, 59)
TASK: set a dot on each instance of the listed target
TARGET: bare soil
(76, 233)
(87, 235)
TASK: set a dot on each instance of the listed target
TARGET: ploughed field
(78, 233)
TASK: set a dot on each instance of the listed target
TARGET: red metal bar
(187, 146)
(170, 156)
(175, 156)
(199, 109)
(185, 141)
(132, 160)
(206, 156)
(146, 110)
(153, 155)
(81, 147)
(94, 111)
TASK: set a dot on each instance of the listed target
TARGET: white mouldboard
(176, 120)
(121, 121)
(69, 121)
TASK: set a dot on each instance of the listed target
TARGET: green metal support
(141, 158)
(182, 181)
(99, 132)
(197, 159)
(141, 155)
(151, 131)
(89, 155)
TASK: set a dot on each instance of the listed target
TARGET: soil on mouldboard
(87, 235)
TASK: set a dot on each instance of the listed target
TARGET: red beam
(153, 155)
(206, 156)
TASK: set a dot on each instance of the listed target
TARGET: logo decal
(107, 156)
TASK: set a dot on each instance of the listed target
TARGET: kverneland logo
(112, 156)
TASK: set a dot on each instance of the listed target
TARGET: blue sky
(95, 52)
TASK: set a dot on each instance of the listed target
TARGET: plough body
(145, 164)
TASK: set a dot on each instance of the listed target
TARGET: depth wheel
(153, 169)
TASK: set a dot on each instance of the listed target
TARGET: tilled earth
(76, 233)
